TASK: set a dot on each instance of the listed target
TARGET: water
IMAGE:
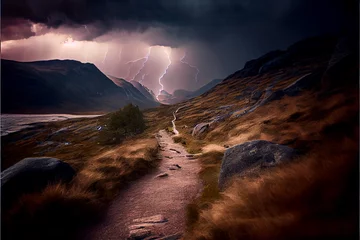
(16, 122)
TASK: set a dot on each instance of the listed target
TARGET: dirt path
(162, 200)
(176, 132)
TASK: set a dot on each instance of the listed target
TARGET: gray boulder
(33, 175)
(256, 95)
(200, 128)
(240, 159)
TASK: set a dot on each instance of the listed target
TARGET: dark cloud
(219, 35)
(197, 18)
(13, 29)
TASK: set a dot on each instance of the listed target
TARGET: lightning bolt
(105, 56)
(166, 69)
(191, 66)
(120, 52)
(146, 58)
(143, 65)
(142, 78)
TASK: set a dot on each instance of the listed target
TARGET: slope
(61, 86)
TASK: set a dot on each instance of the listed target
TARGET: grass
(313, 198)
(192, 145)
(61, 210)
(209, 174)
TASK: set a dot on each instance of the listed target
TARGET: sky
(164, 44)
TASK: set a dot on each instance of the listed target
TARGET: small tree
(125, 122)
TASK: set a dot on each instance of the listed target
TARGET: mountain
(134, 89)
(144, 90)
(181, 95)
(63, 86)
(200, 91)
(306, 98)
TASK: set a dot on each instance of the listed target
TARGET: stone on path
(162, 175)
(145, 228)
(152, 219)
(139, 234)
(174, 167)
(174, 150)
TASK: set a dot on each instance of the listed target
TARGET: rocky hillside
(301, 100)
(144, 90)
(63, 87)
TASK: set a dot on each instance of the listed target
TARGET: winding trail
(155, 205)
(176, 132)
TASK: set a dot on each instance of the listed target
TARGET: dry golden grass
(56, 213)
(210, 167)
(314, 198)
(192, 145)
(61, 210)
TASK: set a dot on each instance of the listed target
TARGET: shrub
(125, 122)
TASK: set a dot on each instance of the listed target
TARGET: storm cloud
(219, 36)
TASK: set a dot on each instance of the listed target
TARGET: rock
(238, 160)
(174, 167)
(168, 157)
(162, 175)
(144, 228)
(152, 219)
(177, 165)
(226, 146)
(138, 234)
(174, 150)
(200, 128)
(33, 175)
(255, 96)
(141, 226)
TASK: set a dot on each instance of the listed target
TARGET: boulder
(256, 95)
(33, 175)
(200, 128)
(238, 160)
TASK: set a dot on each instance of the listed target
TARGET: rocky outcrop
(147, 228)
(295, 54)
(33, 175)
(256, 95)
(200, 128)
(240, 159)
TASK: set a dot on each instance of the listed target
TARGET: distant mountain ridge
(63, 86)
(181, 95)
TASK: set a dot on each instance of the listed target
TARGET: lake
(16, 122)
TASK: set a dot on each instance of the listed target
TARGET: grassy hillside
(102, 170)
(312, 197)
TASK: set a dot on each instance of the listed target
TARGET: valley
(303, 102)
